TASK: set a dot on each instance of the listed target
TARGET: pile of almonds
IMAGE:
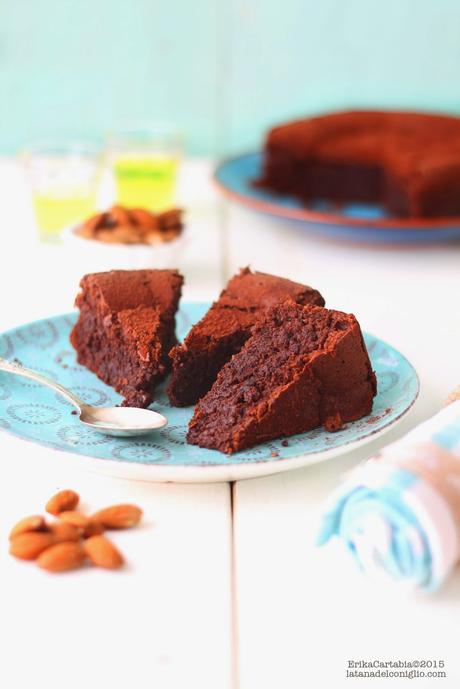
(119, 225)
(73, 538)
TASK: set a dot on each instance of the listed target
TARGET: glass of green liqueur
(145, 164)
(63, 178)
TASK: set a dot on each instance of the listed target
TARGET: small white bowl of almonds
(127, 238)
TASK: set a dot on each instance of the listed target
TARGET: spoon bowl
(123, 422)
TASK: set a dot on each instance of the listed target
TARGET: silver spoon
(118, 421)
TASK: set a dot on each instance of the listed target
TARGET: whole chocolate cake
(126, 328)
(225, 328)
(303, 367)
(407, 161)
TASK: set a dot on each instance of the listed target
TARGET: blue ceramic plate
(36, 413)
(360, 222)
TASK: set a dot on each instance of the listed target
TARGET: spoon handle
(20, 370)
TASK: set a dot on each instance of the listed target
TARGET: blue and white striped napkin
(399, 512)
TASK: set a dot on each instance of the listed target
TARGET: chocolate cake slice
(126, 328)
(225, 328)
(303, 367)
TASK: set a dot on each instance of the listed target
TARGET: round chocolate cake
(407, 161)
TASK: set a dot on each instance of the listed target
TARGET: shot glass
(63, 177)
(145, 164)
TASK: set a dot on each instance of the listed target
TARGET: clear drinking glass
(64, 177)
(145, 163)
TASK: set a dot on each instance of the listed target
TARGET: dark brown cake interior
(303, 367)
(225, 328)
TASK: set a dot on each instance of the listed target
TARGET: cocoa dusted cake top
(405, 140)
(257, 291)
(246, 295)
(127, 289)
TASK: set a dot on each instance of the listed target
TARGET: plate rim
(219, 473)
(305, 215)
(207, 473)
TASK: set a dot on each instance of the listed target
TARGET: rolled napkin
(399, 512)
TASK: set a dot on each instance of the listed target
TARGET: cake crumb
(285, 443)
(74, 412)
(274, 454)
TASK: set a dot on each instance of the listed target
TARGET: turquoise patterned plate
(35, 413)
(360, 222)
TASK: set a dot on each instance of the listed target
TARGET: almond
(170, 218)
(102, 552)
(62, 531)
(144, 218)
(62, 557)
(89, 228)
(29, 545)
(94, 222)
(33, 523)
(94, 528)
(119, 516)
(122, 234)
(118, 216)
(75, 518)
(63, 501)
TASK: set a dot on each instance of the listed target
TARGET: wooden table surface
(225, 588)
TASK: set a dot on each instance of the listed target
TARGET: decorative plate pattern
(357, 221)
(37, 414)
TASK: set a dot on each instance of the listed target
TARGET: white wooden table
(225, 589)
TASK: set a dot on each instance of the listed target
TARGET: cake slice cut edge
(225, 328)
(303, 367)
